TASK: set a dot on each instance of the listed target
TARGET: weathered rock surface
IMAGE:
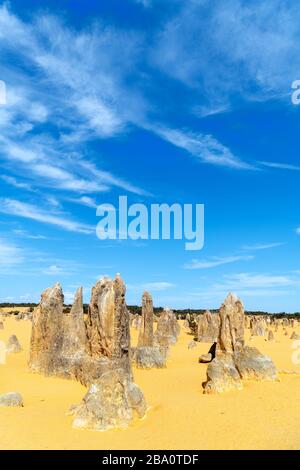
(222, 376)
(63, 345)
(11, 399)
(47, 332)
(231, 333)
(13, 345)
(149, 357)
(168, 329)
(251, 364)
(271, 336)
(233, 360)
(108, 331)
(204, 358)
(111, 402)
(258, 327)
(208, 327)
(146, 334)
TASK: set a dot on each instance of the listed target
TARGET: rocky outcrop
(146, 334)
(111, 402)
(11, 399)
(258, 327)
(94, 350)
(47, 332)
(147, 355)
(251, 364)
(108, 332)
(271, 336)
(231, 333)
(208, 327)
(168, 329)
(222, 375)
(13, 345)
(63, 345)
(234, 360)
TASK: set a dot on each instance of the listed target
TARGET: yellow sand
(263, 415)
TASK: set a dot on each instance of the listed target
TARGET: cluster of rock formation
(233, 361)
(148, 353)
(168, 329)
(94, 350)
(13, 345)
(208, 327)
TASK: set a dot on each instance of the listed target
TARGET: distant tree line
(136, 309)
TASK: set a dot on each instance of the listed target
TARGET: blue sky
(184, 101)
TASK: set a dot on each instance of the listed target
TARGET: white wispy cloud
(224, 49)
(10, 254)
(262, 246)
(23, 234)
(256, 280)
(54, 270)
(281, 166)
(17, 184)
(16, 208)
(157, 286)
(84, 201)
(215, 261)
(79, 90)
(247, 285)
(204, 147)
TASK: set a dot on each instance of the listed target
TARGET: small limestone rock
(11, 399)
(13, 345)
(1, 325)
(192, 345)
(149, 357)
(222, 376)
(204, 358)
(111, 402)
(295, 335)
(251, 364)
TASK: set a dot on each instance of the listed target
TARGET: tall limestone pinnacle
(108, 329)
(74, 331)
(47, 331)
(146, 333)
(231, 333)
(208, 327)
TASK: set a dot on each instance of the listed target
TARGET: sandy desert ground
(263, 415)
